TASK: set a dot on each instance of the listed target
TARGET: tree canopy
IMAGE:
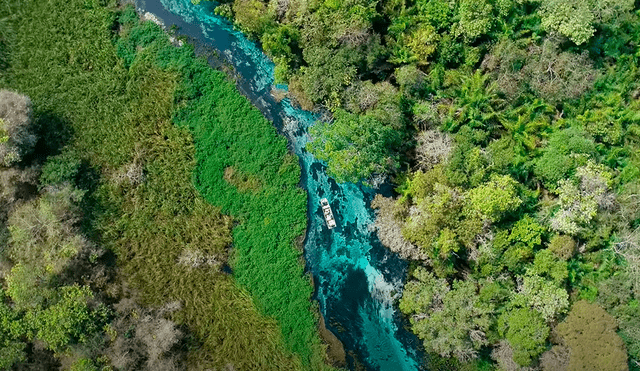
(590, 333)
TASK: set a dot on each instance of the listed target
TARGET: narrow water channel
(357, 280)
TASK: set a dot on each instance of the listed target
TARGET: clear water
(357, 280)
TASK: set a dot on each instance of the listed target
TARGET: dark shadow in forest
(54, 132)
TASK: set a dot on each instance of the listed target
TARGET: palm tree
(477, 105)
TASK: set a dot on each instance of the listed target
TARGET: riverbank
(335, 349)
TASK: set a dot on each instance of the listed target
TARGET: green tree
(604, 124)
(28, 287)
(280, 42)
(526, 332)
(252, 16)
(474, 19)
(527, 231)
(282, 46)
(476, 104)
(590, 332)
(451, 322)
(327, 73)
(410, 80)
(59, 169)
(579, 204)
(436, 12)
(422, 43)
(546, 264)
(542, 295)
(562, 246)
(467, 165)
(11, 332)
(84, 364)
(354, 146)
(572, 19)
(380, 101)
(414, 34)
(515, 247)
(436, 223)
(493, 199)
(575, 211)
(515, 255)
(561, 156)
(69, 320)
(423, 291)
(577, 19)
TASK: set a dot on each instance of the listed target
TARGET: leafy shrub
(562, 155)
(526, 333)
(59, 169)
(354, 147)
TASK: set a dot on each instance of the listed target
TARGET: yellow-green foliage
(4, 135)
(117, 98)
(590, 332)
(42, 232)
(44, 240)
(244, 182)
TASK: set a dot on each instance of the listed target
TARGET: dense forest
(134, 232)
(134, 229)
(512, 133)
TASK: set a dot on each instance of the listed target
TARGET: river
(357, 280)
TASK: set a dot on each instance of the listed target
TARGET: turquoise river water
(357, 280)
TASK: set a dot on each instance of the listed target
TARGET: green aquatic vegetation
(229, 133)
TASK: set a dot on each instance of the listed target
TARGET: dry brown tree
(17, 136)
(143, 339)
(555, 359)
(389, 230)
(503, 355)
(433, 148)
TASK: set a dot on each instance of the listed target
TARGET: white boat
(328, 214)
